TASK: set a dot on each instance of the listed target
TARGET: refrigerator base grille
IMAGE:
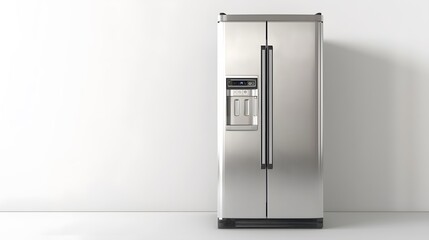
(270, 223)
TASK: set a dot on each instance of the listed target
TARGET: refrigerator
(270, 121)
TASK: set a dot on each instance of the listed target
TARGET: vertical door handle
(263, 107)
(267, 107)
(270, 107)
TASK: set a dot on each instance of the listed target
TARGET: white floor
(203, 225)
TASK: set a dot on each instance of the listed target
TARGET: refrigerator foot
(270, 223)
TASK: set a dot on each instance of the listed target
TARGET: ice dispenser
(242, 103)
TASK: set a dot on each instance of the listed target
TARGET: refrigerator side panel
(242, 186)
(295, 181)
(221, 116)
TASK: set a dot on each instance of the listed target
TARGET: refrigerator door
(242, 191)
(295, 181)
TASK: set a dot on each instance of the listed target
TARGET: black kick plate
(270, 223)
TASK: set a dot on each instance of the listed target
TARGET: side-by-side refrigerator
(270, 107)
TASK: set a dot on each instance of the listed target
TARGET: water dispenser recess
(242, 103)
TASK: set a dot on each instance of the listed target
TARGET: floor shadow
(335, 220)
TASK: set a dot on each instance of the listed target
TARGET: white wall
(110, 105)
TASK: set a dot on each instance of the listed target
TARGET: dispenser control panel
(242, 103)
(240, 83)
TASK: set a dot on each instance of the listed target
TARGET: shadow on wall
(368, 135)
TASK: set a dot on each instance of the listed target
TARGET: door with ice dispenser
(243, 191)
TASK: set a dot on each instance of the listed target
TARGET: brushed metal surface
(242, 180)
(295, 183)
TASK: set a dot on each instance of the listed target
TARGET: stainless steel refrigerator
(270, 106)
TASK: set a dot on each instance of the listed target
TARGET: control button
(245, 91)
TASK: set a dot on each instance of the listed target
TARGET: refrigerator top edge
(270, 17)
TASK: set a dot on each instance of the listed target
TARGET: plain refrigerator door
(242, 192)
(295, 181)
